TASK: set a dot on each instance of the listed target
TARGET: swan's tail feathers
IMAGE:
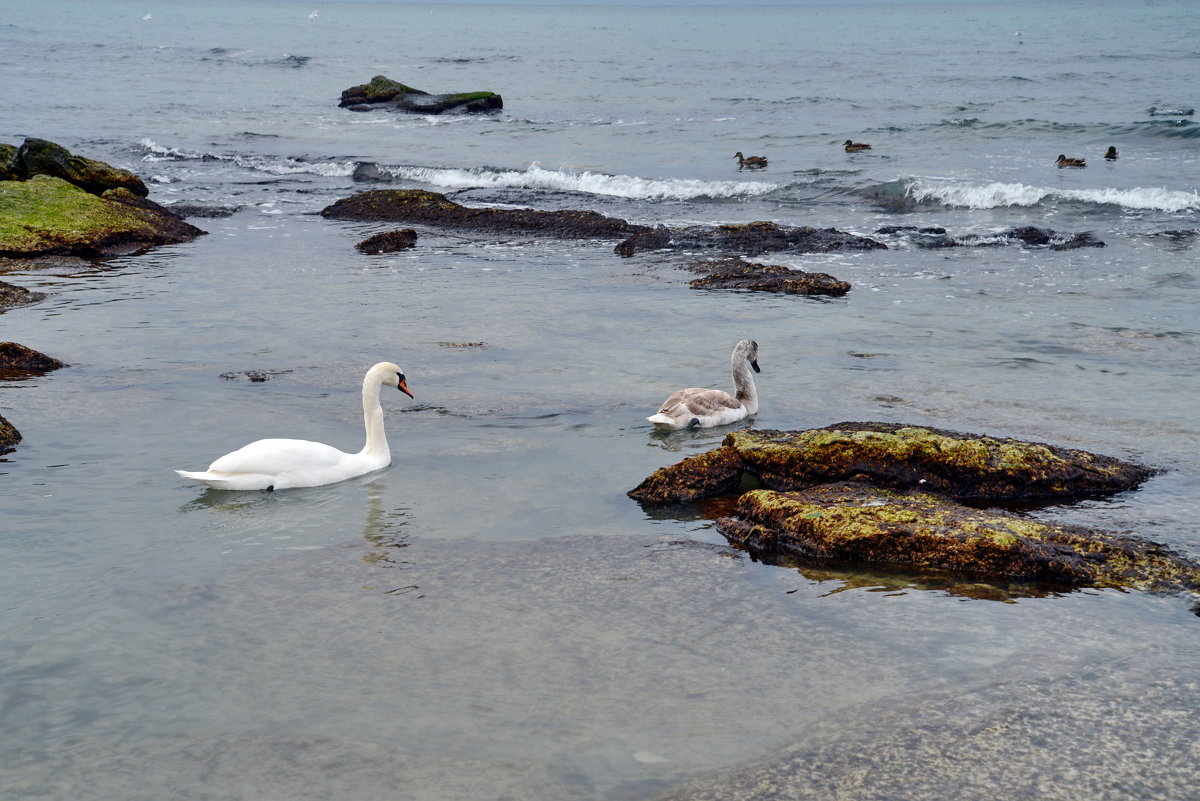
(229, 481)
(663, 421)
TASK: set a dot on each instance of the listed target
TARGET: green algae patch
(702, 476)
(49, 215)
(963, 466)
(852, 523)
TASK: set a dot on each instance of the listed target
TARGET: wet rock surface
(932, 237)
(42, 157)
(17, 357)
(861, 524)
(748, 239)
(388, 242)
(415, 206)
(12, 295)
(736, 273)
(382, 92)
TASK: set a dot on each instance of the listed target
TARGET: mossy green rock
(42, 157)
(48, 215)
(859, 524)
(381, 92)
(963, 466)
(898, 456)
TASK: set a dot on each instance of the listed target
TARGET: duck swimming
(704, 408)
(854, 147)
(1111, 154)
(1063, 161)
(750, 162)
(273, 464)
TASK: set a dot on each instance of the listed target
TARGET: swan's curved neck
(743, 382)
(376, 444)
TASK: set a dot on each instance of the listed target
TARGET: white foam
(627, 186)
(997, 195)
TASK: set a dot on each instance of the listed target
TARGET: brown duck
(752, 162)
(1063, 161)
(854, 147)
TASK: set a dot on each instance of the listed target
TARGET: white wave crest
(272, 165)
(997, 195)
(627, 186)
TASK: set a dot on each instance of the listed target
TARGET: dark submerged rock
(12, 295)
(430, 208)
(17, 357)
(748, 239)
(857, 523)
(9, 435)
(255, 376)
(384, 93)
(388, 242)
(735, 273)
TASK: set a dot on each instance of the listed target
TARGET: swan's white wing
(273, 456)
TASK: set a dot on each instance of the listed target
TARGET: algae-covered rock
(747, 239)
(48, 215)
(14, 356)
(8, 160)
(430, 208)
(13, 295)
(856, 523)
(702, 476)
(736, 273)
(963, 466)
(9, 435)
(898, 456)
(42, 157)
(384, 93)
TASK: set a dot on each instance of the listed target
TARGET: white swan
(703, 408)
(273, 464)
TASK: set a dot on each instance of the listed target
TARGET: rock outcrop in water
(736, 273)
(384, 93)
(430, 208)
(12, 295)
(1031, 236)
(747, 239)
(54, 203)
(887, 493)
(388, 242)
(15, 357)
(899, 457)
(860, 524)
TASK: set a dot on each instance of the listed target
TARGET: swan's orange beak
(403, 387)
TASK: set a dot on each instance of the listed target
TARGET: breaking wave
(272, 165)
(535, 177)
(999, 195)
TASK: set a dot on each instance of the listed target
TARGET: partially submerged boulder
(13, 295)
(430, 208)
(49, 215)
(736, 273)
(384, 93)
(747, 239)
(17, 357)
(388, 242)
(859, 524)
(900, 457)
(42, 157)
(9, 435)
(933, 237)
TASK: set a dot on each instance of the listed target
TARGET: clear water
(491, 617)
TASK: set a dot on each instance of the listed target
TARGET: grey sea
(491, 617)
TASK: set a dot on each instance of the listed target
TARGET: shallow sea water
(491, 616)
